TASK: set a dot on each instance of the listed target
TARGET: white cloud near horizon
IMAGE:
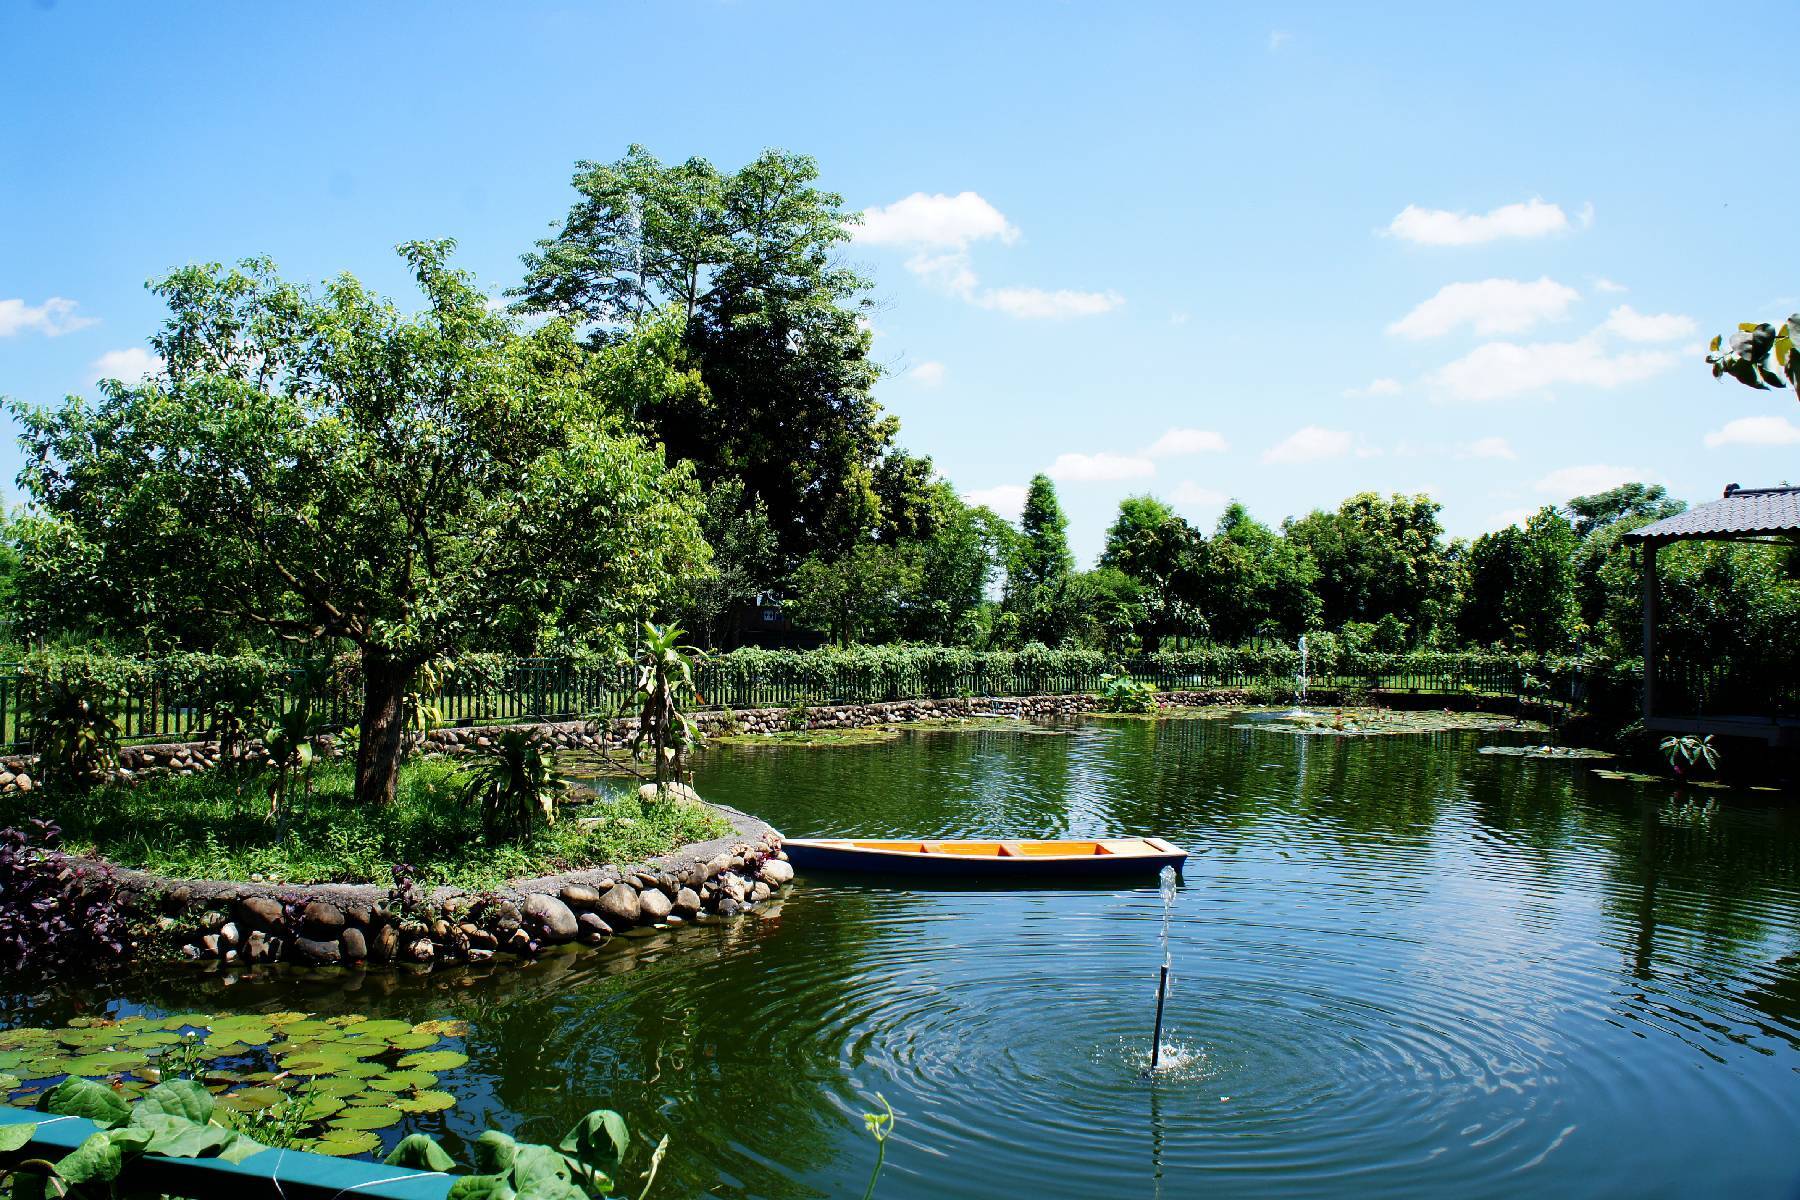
(1375, 387)
(53, 318)
(1312, 443)
(1030, 303)
(1186, 441)
(1099, 468)
(1190, 493)
(1441, 227)
(1634, 326)
(1496, 370)
(1755, 431)
(930, 374)
(129, 366)
(1569, 482)
(1006, 499)
(1489, 306)
(951, 222)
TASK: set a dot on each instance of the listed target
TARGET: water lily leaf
(14, 1137)
(420, 1153)
(343, 1086)
(253, 1099)
(435, 1060)
(426, 1102)
(10, 1059)
(413, 1041)
(404, 1081)
(306, 1028)
(321, 1107)
(340, 1143)
(107, 1062)
(75, 1097)
(284, 1018)
(363, 1070)
(367, 1118)
(316, 1063)
(182, 1021)
(361, 1049)
(8, 1083)
(443, 1028)
(383, 1028)
(151, 1041)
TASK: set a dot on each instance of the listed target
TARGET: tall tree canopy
(323, 466)
(1521, 588)
(1377, 557)
(1628, 501)
(740, 265)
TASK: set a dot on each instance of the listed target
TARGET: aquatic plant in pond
(320, 1084)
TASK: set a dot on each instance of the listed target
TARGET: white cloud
(1310, 444)
(1603, 284)
(1186, 441)
(128, 366)
(53, 318)
(1487, 447)
(1569, 482)
(1440, 227)
(1499, 369)
(1513, 516)
(1038, 304)
(1634, 326)
(1007, 500)
(1100, 468)
(1756, 431)
(1490, 306)
(950, 272)
(1375, 387)
(936, 220)
(1190, 493)
(931, 374)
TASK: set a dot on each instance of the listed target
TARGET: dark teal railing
(270, 1175)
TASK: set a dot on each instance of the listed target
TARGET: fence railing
(152, 704)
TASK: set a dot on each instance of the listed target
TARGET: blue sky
(1277, 253)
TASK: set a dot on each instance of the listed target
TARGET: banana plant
(665, 682)
(513, 783)
(292, 744)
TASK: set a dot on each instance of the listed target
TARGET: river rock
(593, 928)
(730, 906)
(519, 942)
(620, 906)
(387, 940)
(553, 915)
(260, 912)
(422, 950)
(256, 946)
(316, 951)
(775, 872)
(760, 891)
(654, 905)
(229, 935)
(732, 884)
(580, 896)
(354, 945)
(321, 919)
(687, 902)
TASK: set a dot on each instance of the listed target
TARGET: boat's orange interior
(993, 849)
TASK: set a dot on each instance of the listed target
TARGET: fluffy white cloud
(1100, 468)
(1186, 441)
(1375, 387)
(1500, 369)
(1489, 306)
(1038, 304)
(1569, 482)
(935, 220)
(1007, 500)
(1756, 431)
(1189, 493)
(53, 318)
(931, 374)
(1310, 444)
(1603, 284)
(127, 366)
(1634, 326)
(1440, 227)
(1487, 447)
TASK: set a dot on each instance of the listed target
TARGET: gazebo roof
(1741, 514)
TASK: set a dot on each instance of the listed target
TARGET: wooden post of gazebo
(1650, 588)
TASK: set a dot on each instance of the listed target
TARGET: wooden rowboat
(987, 859)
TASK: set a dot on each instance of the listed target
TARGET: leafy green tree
(1625, 502)
(859, 595)
(1151, 543)
(1522, 586)
(1038, 572)
(1256, 581)
(323, 466)
(956, 564)
(1377, 556)
(741, 265)
(746, 559)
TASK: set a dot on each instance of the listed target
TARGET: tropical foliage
(513, 784)
(665, 687)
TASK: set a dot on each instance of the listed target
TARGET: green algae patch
(1381, 722)
(811, 738)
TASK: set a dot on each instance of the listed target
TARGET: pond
(1403, 968)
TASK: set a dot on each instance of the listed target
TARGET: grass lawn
(209, 826)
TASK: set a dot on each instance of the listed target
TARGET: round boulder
(552, 915)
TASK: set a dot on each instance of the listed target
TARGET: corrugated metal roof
(1743, 512)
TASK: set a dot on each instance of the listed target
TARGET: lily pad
(404, 1081)
(443, 1028)
(426, 1102)
(435, 1060)
(321, 1107)
(8, 1083)
(343, 1086)
(341, 1143)
(367, 1118)
(315, 1064)
(382, 1028)
(413, 1041)
(253, 1099)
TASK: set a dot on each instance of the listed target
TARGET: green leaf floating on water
(426, 1102)
(340, 1143)
(435, 1060)
(367, 1118)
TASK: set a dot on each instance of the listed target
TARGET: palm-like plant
(292, 744)
(513, 783)
(665, 682)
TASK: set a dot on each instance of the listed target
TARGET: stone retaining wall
(353, 924)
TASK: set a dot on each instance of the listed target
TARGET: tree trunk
(383, 727)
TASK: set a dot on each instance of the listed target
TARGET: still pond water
(1403, 968)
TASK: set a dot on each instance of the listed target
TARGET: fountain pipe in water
(1166, 878)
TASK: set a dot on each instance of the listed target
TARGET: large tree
(1152, 544)
(742, 266)
(321, 466)
(1521, 587)
(1039, 570)
(1378, 557)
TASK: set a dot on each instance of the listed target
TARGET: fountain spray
(1167, 879)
